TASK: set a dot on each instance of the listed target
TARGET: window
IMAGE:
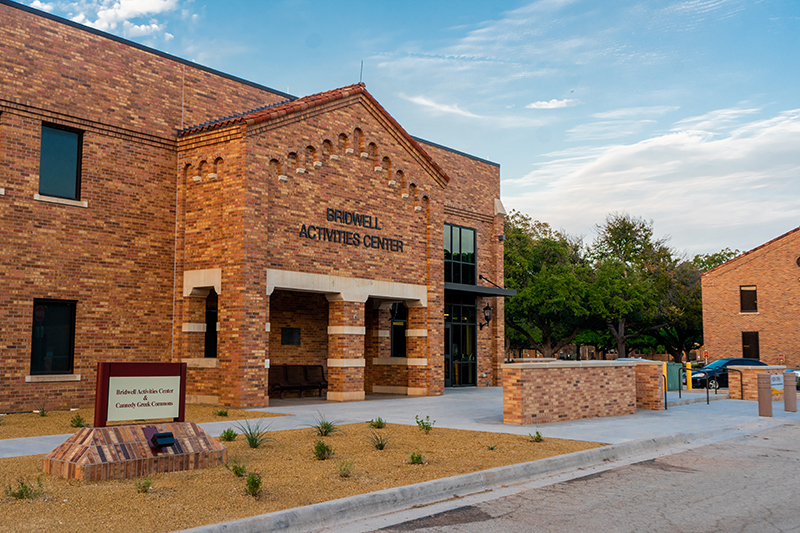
(748, 298)
(399, 317)
(750, 344)
(290, 336)
(210, 341)
(53, 343)
(60, 162)
(459, 255)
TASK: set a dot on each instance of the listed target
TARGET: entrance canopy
(340, 288)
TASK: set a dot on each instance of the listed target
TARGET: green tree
(631, 278)
(684, 312)
(546, 269)
(705, 262)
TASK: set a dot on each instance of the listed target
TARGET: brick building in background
(152, 209)
(751, 304)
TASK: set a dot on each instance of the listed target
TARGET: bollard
(789, 392)
(688, 376)
(764, 395)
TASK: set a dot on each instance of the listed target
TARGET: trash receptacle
(673, 376)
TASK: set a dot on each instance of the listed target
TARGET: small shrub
(536, 437)
(377, 423)
(324, 427)
(255, 435)
(377, 440)
(425, 425)
(220, 412)
(78, 422)
(322, 451)
(25, 491)
(41, 408)
(253, 484)
(492, 448)
(416, 458)
(143, 485)
(236, 468)
(2, 417)
(228, 435)
(345, 468)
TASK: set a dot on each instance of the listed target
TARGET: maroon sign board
(139, 391)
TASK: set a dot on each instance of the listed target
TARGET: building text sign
(139, 391)
(351, 238)
(143, 398)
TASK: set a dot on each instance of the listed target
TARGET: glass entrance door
(460, 341)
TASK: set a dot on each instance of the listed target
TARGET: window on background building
(60, 162)
(748, 296)
(750, 344)
(459, 255)
(53, 342)
(399, 317)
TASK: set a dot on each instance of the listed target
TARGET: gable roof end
(308, 102)
(757, 248)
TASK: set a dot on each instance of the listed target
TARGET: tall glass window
(53, 343)
(459, 254)
(60, 162)
(460, 317)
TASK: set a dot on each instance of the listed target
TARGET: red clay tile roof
(738, 257)
(307, 102)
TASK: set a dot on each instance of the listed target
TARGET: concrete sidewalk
(481, 409)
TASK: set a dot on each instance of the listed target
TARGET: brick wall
(750, 375)
(773, 269)
(538, 393)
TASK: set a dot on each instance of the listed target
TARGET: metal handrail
(665, 391)
(706, 372)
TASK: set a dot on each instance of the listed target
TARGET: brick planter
(120, 452)
(750, 389)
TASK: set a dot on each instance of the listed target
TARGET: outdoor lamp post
(487, 314)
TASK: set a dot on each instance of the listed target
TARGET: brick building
(152, 209)
(751, 304)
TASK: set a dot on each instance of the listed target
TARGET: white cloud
(44, 6)
(633, 112)
(553, 104)
(737, 188)
(441, 108)
(715, 120)
(612, 129)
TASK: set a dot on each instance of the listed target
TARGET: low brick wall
(750, 389)
(537, 393)
(650, 385)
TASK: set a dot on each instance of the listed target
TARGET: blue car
(717, 372)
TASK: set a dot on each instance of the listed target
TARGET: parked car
(796, 372)
(717, 372)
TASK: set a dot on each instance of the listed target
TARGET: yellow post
(666, 379)
(688, 376)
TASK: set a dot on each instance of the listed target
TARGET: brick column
(417, 351)
(346, 330)
(649, 386)
(750, 388)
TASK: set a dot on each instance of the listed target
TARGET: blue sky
(683, 112)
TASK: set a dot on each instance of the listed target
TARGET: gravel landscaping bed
(290, 475)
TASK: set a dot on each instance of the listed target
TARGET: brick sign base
(119, 452)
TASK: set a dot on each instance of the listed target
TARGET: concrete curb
(336, 512)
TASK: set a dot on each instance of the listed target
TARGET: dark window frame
(748, 299)
(450, 264)
(73, 306)
(78, 164)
